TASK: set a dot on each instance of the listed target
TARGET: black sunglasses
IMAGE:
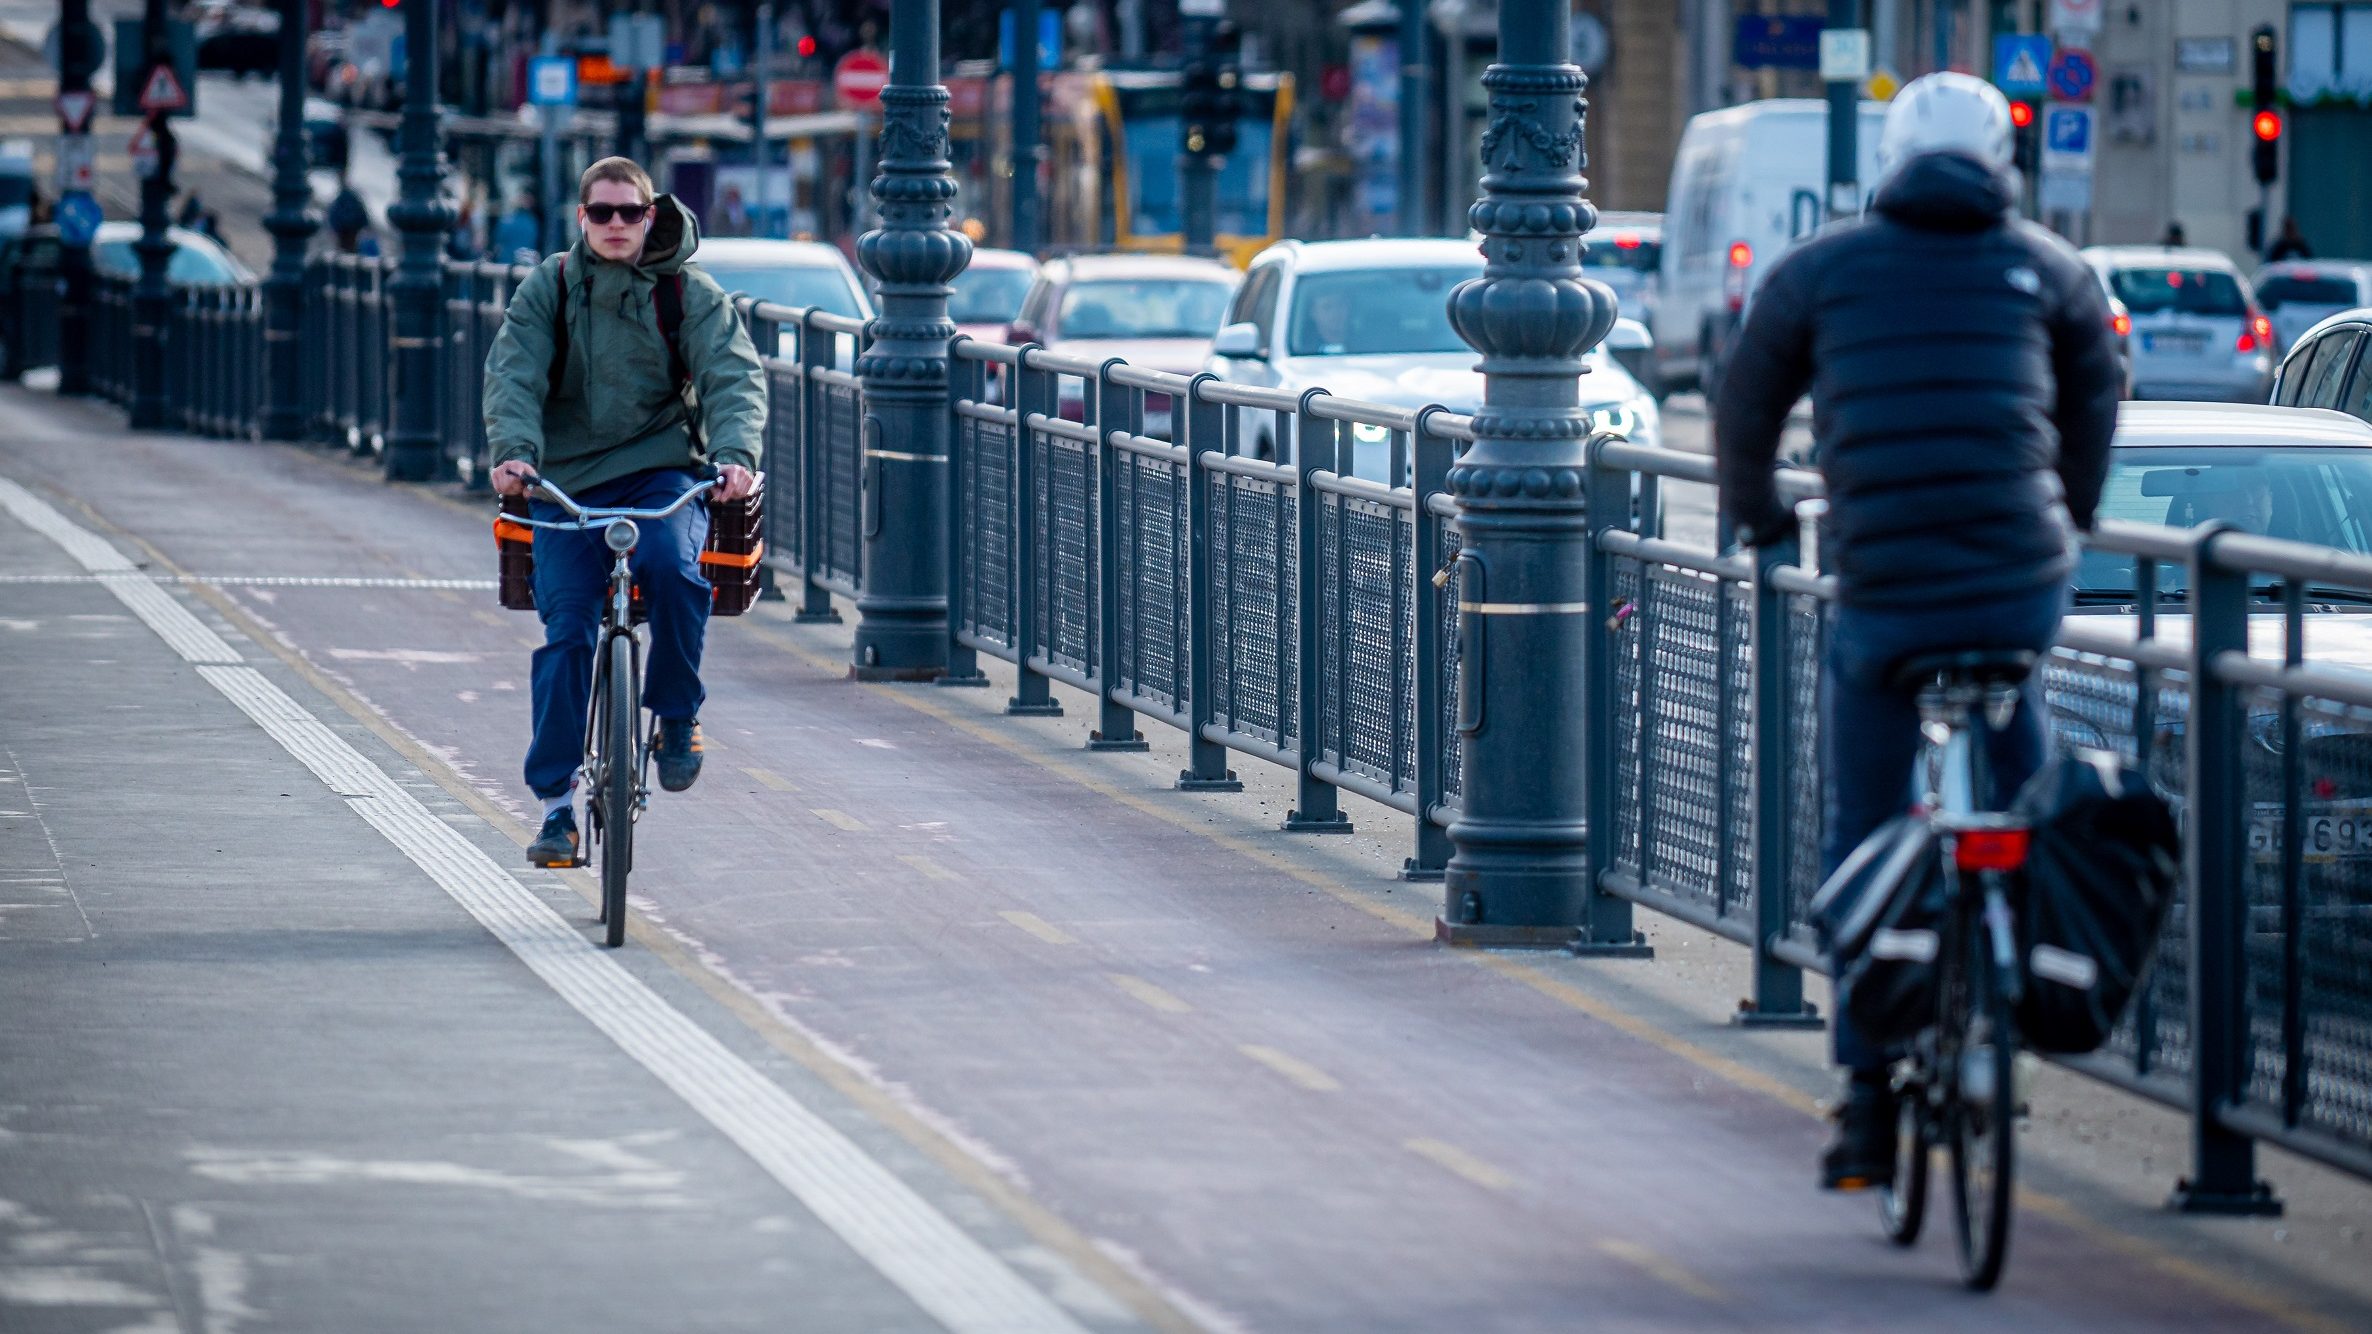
(630, 214)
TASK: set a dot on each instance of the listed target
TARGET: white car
(2197, 331)
(789, 273)
(1370, 320)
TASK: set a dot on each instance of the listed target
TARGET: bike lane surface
(1256, 1100)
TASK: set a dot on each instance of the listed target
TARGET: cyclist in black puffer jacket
(1964, 387)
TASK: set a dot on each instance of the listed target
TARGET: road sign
(2073, 74)
(74, 110)
(637, 41)
(860, 77)
(143, 152)
(552, 81)
(2067, 134)
(78, 218)
(2019, 60)
(1844, 55)
(163, 91)
(1882, 86)
(2069, 17)
(77, 163)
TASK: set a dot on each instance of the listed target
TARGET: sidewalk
(1157, 1058)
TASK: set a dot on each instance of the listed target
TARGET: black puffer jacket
(1964, 386)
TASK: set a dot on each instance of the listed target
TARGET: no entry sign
(860, 77)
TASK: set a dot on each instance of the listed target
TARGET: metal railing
(1300, 614)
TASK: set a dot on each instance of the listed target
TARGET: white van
(1748, 183)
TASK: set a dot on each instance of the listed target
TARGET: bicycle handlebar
(583, 518)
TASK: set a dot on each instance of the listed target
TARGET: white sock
(552, 804)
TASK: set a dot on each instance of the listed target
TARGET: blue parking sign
(2068, 130)
(552, 81)
(2020, 63)
(78, 218)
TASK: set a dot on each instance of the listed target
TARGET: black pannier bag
(1881, 917)
(2101, 872)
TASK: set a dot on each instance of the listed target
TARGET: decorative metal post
(902, 611)
(152, 299)
(414, 453)
(1518, 875)
(291, 225)
(79, 53)
(1023, 235)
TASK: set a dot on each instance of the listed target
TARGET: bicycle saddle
(1979, 666)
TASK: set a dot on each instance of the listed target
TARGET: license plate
(2186, 344)
(2339, 837)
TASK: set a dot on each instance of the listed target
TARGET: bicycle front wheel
(617, 787)
(1982, 1114)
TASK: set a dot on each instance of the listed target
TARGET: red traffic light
(2021, 114)
(2267, 125)
(807, 47)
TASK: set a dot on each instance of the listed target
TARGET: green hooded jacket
(617, 411)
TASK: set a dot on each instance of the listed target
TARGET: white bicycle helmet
(1945, 113)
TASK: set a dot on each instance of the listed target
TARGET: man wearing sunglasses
(620, 372)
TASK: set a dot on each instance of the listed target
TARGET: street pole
(1844, 122)
(152, 299)
(77, 53)
(1024, 231)
(420, 216)
(630, 112)
(761, 156)
(1198, 180)
(1518, 875)
(291, 225)
(1415, 219)
(902, 614)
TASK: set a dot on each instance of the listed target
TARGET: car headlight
(1636, 420)
(1367, 433)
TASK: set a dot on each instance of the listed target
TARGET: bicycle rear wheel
(617, 786)
(1982, 1113)
(1902, 1204)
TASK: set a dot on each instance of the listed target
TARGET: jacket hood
(675, 234)
(1947, 192)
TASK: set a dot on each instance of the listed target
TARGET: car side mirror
(1241, 341)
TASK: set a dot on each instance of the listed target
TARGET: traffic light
(1227, 54)
(2026, 147)
(2264, 91)
(1198, 97)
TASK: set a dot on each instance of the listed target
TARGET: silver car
(1370, 320)
(2298, 294)
(2197, 331)
(1625, 251)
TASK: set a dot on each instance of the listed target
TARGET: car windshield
(2284, 289)
(826, 289)
(2322, 496)
(988, 296)
(2149, 291)
(1144, 308)
(1376, 311)
(1622, 250)
(188, 265)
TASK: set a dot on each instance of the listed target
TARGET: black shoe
(1862, 1155)
(557, 844)
(679, 753)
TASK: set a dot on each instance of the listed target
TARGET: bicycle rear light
(1990, 849)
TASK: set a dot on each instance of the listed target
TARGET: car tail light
(1990, 849)
(2263, 328)
(1733, 283)
(1626, 241)
(2246, 343)
(2122, 324)
(1741, 255)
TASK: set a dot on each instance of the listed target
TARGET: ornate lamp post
(414, 453)
(1518, 876)
(291, 225)
(902, 615)
(152, 298)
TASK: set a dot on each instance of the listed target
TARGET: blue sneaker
(556, 844)
(679, 753)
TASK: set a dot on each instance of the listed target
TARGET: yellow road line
(1292, 1068)
(769, 779)
(1663, 1270)
(931, 870)
(1149, 994)
(1450, 1156)
(1055, 935)
(839, 819)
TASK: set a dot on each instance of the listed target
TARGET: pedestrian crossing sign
(163, 91)
(2020, 62)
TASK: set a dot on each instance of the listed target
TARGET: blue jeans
(1869, 733)
(571, 584)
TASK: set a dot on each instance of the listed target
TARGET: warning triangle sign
(2023, 70)
(163, 91)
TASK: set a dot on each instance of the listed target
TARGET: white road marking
(269, 581)
(946, 1272)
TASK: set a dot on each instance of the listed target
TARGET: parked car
(1154, 311)
(2328, 367)
(1625, 252)
(2200, 333)
(789, 273)
(1370, 320)
(2297, 294)
(1748, 182)
(197, 258)
(238, 40)
(989, 293)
